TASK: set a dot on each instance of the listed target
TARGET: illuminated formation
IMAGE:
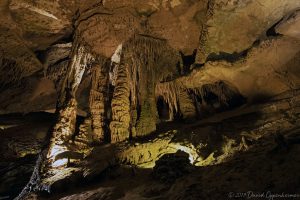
(65, 125)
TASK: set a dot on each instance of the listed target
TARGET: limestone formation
(120, 104)
(98, 101)
(64, 128)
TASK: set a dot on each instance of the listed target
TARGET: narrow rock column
(65, 125)
(120, 124)
(97, 101)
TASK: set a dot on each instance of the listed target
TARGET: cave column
(97, 101)
(120, 124)
(67, 108)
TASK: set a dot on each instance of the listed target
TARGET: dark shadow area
(23, 137)
(163, 109)
(234, 57)
(271, 32)
(187, 61)
(15, 175)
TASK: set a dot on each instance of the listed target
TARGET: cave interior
(149, 99)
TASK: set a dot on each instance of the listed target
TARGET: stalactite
(98, 101)
(178, 99)
(120, 124)
(211, 97)
(223, 92)
(169, 91)
(113, 73)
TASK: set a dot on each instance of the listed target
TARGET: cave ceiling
(225, 33)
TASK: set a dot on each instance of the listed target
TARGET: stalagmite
(84, 138)
(119, 126)
(62, 133)
(98, 101)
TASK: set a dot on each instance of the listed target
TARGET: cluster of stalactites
(143, 55)
(169, 91)
(178, 99)
(198, 101)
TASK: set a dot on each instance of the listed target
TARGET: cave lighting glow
(193, 156)
(173, 148)
(56, 150)
(60, 162)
